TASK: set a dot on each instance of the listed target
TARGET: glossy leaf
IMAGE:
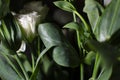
(80, 29)
(72, 25)
(63, 53)
(49, 34)
(64, 5)
(36, 70)
(6, 71)
(109, 22)
(108, 52)
(66, 56)
(90, 57)
(105, 73)
(5, 51)
(93, 10)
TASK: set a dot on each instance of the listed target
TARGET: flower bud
(32, 14)
(28, 24)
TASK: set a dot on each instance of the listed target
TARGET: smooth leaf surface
(72, 25)
(93, 10)
(80, 30)
(64, 5)
(49, 34)
(109, 22)
(63, 53)
(90, 57)
(5, 51)
(105, 73)
(108, 52)
(6, 72)
(36, 70)
(66, 56)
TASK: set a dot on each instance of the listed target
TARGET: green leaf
(49, 34)
(105, 73)
(90, 57)
(108, 52)
(5, 52)
(93, 10)
(109, 22)
(66, 56)
(64, 5)
(81, 32)
(6, 71)
(25, 62)
(10, 33)
(63, 53)
(72, 25)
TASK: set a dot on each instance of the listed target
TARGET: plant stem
(79, 45)
(78, 40)
(38, 46)
(74, 17)
(22, 68)
(96, 66)
(81, 72)
(40, 56)
(82, 19)
(33, 61)
(34, 73)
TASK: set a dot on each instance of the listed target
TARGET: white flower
(30, 16)
(28, 24)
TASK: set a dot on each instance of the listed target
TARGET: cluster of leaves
(48, 53)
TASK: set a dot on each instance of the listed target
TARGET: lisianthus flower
(28, 24)
(29, 17)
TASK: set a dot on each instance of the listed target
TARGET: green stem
(38, 46)
(81, 72)
(40, 56)
(78, 39)
(74, 17)
(34, 74)
(22, 68)
(82, 19)
(79, 45)
(33, 61)
(96, 66)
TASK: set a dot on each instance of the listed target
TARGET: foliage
(33, 48)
